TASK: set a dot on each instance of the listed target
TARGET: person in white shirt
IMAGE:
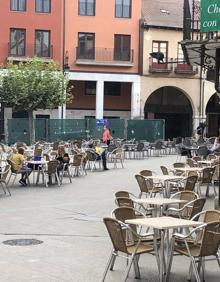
(215, 146)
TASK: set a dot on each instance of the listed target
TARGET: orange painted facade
(31, 21)
(105, 25)
(83, 101)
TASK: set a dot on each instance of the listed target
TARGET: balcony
(172, 65)
(17, 53)
(184, 68)
(104, 57)
(155, 67)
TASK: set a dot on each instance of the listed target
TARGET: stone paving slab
(68, 219)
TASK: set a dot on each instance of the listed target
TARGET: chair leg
(190, 272)
(9, 178)
(108, 265)
(7, 188)
(3, 188)
(218, 257)
(113, 261)
(128, 268)
(195, 269)
(136, 268)
(169, 264)
(15, 175)
(58, 179)
(207, 190)
(213, 185)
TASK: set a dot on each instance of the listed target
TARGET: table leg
(162, 256)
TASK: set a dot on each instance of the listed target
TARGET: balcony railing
(170, 66)
(104, 57)
(29, 51)
(155, 67)
(184, 68)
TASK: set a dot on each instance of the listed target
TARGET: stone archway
(213, 116)
(172, 105)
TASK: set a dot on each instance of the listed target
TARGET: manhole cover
(22, 242)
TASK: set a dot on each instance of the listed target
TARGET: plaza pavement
(68, 219)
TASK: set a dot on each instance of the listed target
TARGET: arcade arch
(213, 116)
(172, 105)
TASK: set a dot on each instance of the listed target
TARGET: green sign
(210, 15)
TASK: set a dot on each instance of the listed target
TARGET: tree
(33, 85)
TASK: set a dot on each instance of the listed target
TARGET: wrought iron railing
(179, 67)
(155, 66)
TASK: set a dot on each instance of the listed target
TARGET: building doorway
(213, 116)
(172, 105)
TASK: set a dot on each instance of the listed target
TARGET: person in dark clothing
(62, 157)
(200, 132)
(184, 151)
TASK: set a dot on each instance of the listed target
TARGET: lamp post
(1, 120)
(66, 71)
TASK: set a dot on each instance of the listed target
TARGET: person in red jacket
(106, 136)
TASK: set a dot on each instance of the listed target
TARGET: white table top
(37, 162)
(206, 162)
(163, 222)
(186, 169)
(159, 201)
(164, 177)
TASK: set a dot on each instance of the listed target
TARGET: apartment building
(31, 28)
(102, 51)
(170, 89)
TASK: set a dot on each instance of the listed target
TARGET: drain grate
(22, 242)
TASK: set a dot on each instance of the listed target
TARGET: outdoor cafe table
(165, 179)
(41, 162)
(163, 224)
(185, 170)
(159, 202)
(207, 162)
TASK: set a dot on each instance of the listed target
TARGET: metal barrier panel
(41, 129)
(18, 130)
(149, 130)
(56, 129)
(116, 126)
(66, 129)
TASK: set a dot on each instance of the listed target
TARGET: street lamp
(1, 120)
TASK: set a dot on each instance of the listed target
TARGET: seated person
(18, 165)
(62, 157)
(101, 154)
(215, 146)
(184, 150)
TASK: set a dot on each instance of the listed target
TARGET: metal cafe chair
(132, 251)
(198, 251)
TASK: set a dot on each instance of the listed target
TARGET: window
(122, 50)
(43, 6)
(42, 43)
(112, 88)
(180, 56)
(86, 46)
(122, 8)
(90, 87)
(86, 7)
(18, 5)
(160, 46)
(17, 42)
